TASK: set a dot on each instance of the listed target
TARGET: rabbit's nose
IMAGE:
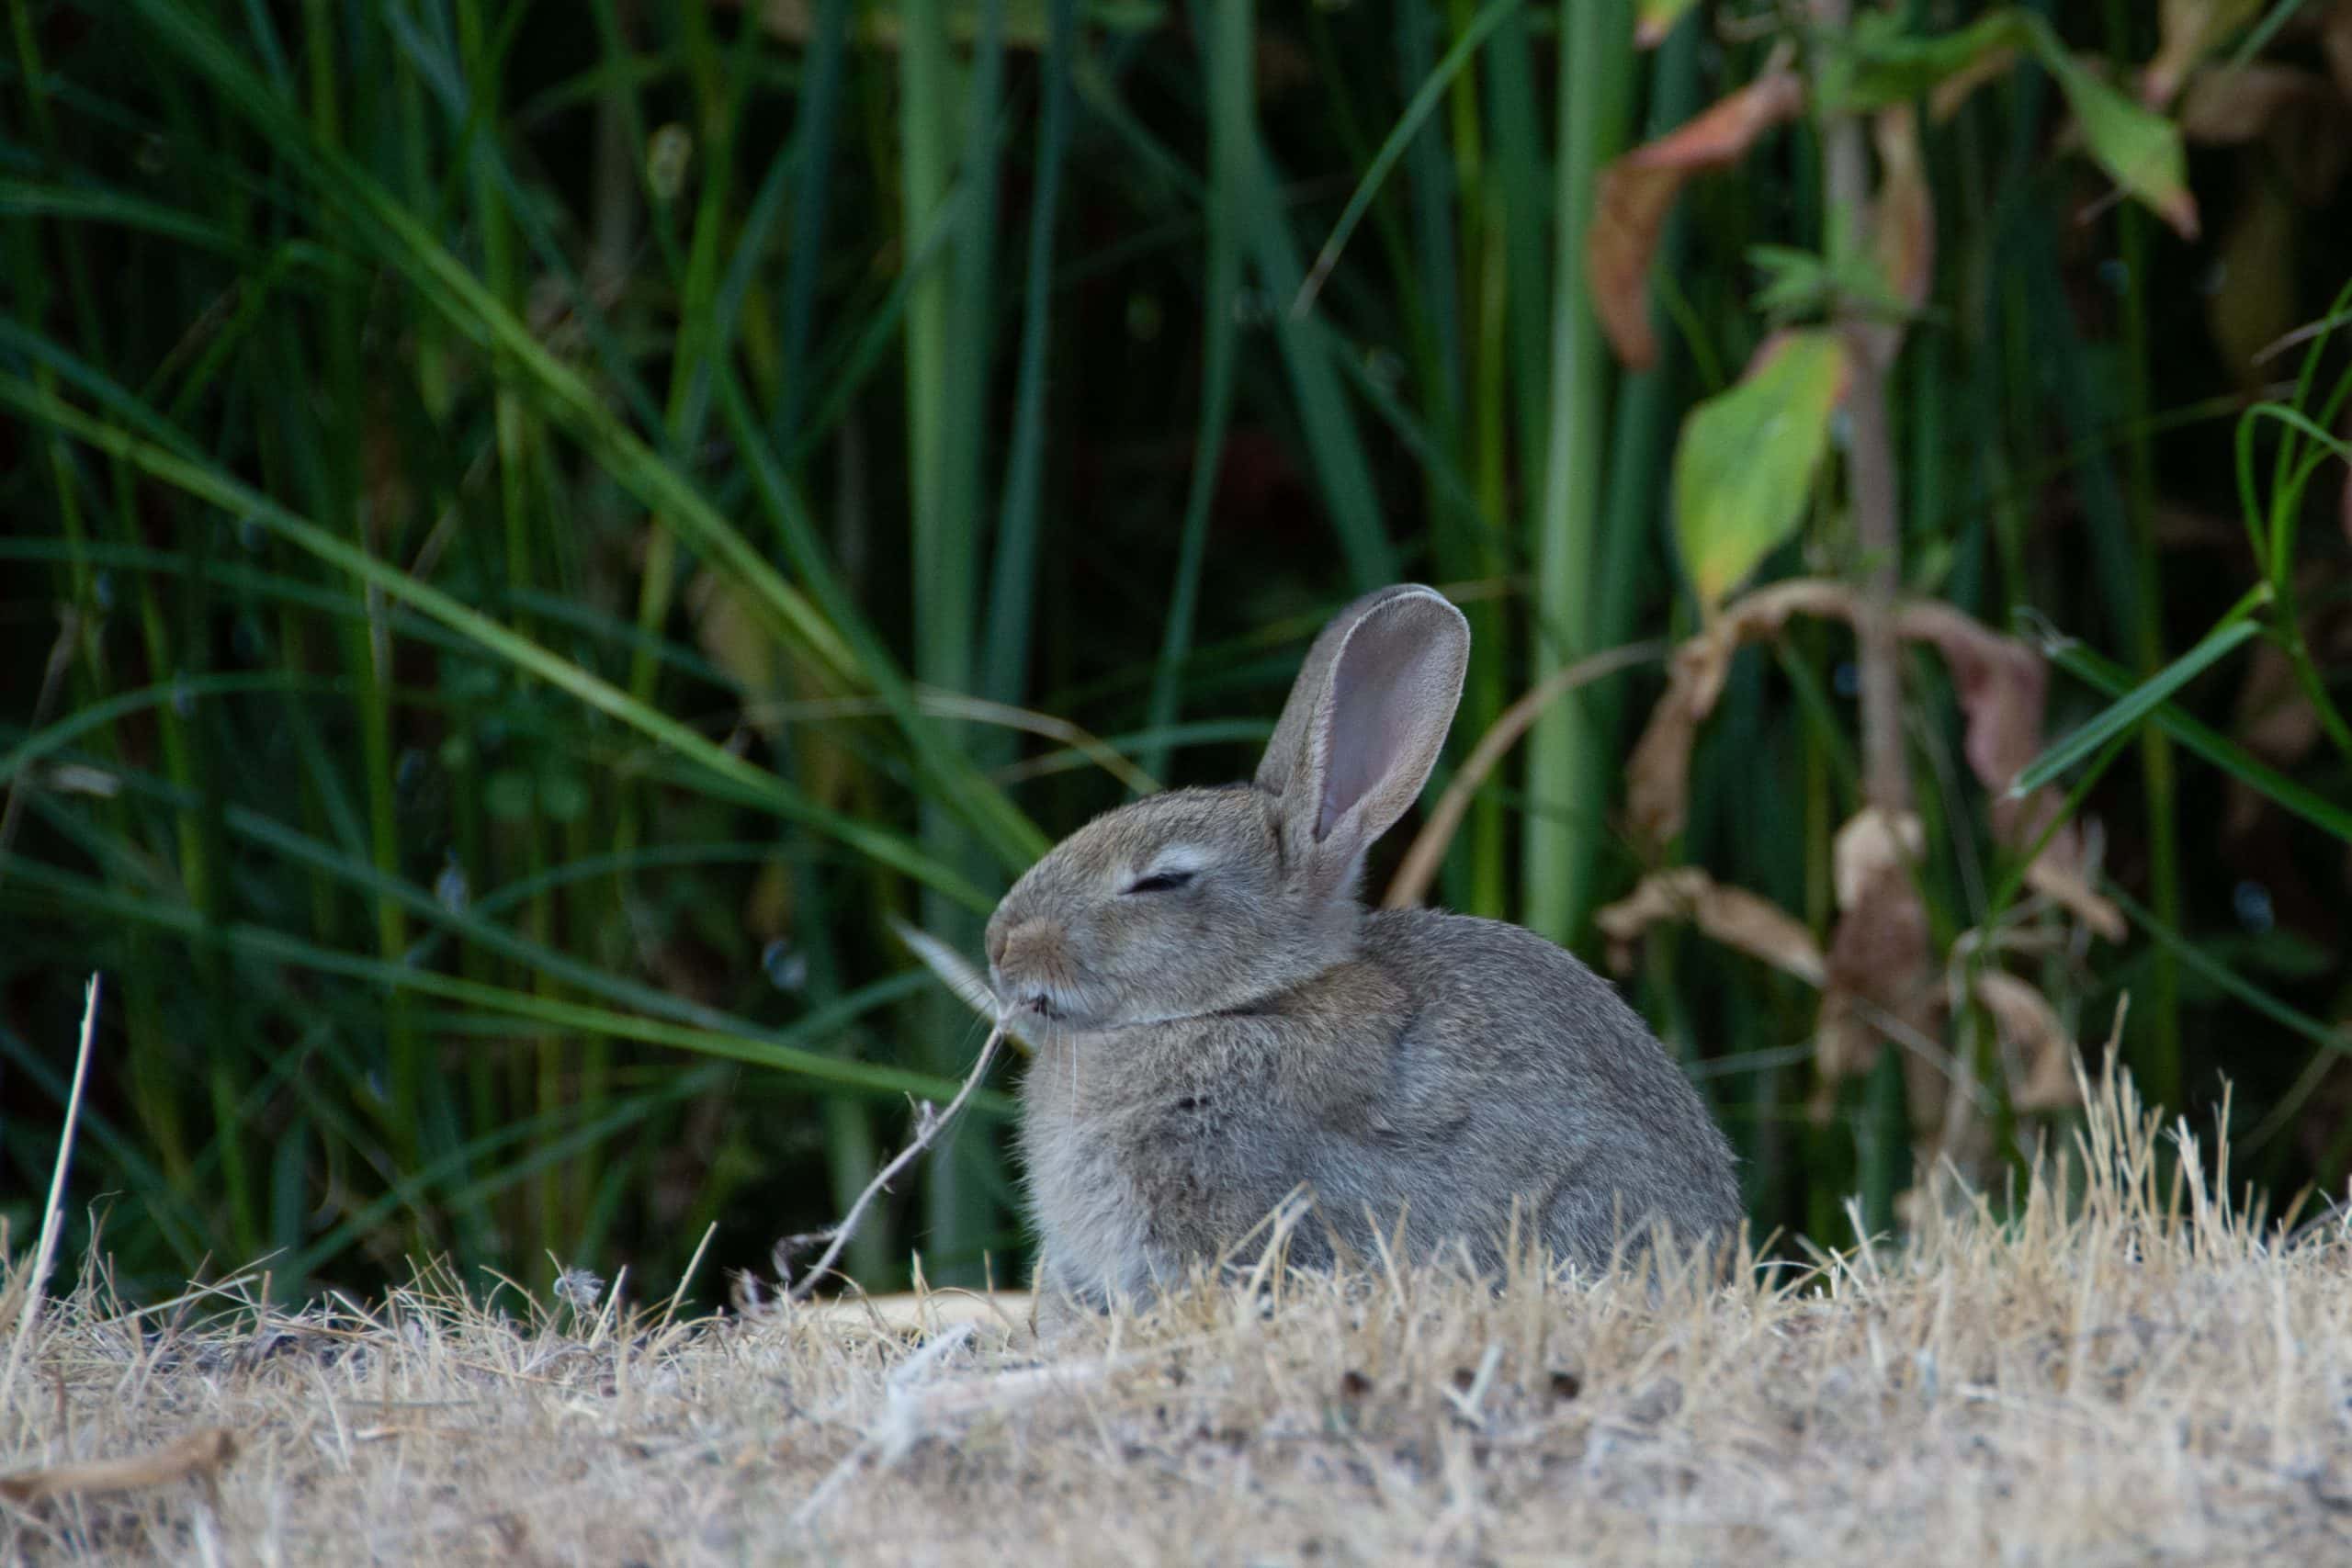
(1023, 943)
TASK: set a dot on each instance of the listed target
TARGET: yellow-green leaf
(1747, 456)
(2140, 148)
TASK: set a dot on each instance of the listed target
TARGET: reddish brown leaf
(1732, 916)
(2001, 683)
(1902, 225)
(1658, 774)
(1637, 191)
(1880, 969)
(1905, 220)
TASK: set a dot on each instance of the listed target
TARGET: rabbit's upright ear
(1364, 725)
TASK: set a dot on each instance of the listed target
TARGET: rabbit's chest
(1131, 1184)
(1089, 1216)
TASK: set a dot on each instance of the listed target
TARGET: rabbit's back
(1516, 1071)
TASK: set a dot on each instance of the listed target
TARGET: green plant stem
(1557, 856)
(942, 464)
(1479, 882)
(2161, 1067)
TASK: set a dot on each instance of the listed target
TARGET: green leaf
(1747, 458)
(1800, 283)
(1880, 62)
(2140, 148)
(1796, 282)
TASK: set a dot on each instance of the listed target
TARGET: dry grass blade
(961, 976)
(45, 1252)
(202, 1453)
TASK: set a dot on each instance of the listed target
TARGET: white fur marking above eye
(1178, 860)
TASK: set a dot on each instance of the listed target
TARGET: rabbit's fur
(1219, 1020)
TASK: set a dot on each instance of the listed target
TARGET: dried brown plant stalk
(928, 1124)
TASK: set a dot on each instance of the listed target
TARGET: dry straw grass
(2128, 1371)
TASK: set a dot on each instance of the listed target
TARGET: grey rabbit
(1219, 1020)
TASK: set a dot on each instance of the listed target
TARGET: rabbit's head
(1204, 900)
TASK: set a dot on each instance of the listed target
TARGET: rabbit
(1218, 1020)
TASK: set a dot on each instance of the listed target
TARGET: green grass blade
(237, 499)
(2136, 705)
(2213, 745)
(1418, 110)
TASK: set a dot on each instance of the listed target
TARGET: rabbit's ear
(1365, 723)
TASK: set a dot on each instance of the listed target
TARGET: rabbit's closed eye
(1162, 882)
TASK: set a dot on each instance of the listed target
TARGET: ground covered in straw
(2135, 1373)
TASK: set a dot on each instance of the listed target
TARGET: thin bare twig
(928, 1124)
